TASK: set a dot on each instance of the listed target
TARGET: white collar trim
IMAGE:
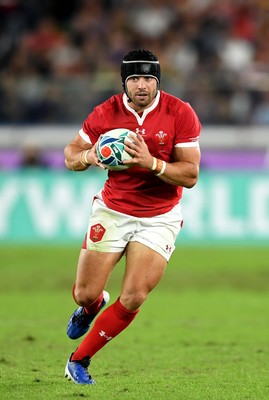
(141, 119)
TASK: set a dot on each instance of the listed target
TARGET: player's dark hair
(140, 63)
(140, 54)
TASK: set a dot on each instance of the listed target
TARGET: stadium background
(202, 333)
(58, 62)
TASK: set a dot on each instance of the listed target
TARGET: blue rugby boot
(80, 321)
(77, 371)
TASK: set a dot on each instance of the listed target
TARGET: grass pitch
(202, 334)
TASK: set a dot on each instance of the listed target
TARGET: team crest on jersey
(161, 137)
(97, 232)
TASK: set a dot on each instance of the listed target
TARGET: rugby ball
(110, 149)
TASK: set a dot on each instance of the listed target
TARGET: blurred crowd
(59, 59)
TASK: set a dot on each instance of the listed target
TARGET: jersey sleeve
(92, 126)
(188, 127)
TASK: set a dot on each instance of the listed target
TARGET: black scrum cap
(140, 63)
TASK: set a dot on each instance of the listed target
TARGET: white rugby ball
(110, 149)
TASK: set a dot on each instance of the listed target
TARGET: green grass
(202, 334)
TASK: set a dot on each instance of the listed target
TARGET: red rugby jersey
(167, 123)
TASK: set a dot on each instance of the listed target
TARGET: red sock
(108, 325)
(93, 308)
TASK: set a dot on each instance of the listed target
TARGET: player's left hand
(140, 152)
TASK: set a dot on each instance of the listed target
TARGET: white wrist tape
(85, 157)
(154, 165)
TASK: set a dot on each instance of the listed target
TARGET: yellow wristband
(162, 170)
(159, 166)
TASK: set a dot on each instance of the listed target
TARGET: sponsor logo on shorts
(97, 232)
(168, 249)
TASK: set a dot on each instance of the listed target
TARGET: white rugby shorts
(111, 231)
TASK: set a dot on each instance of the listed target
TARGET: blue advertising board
(50, 206)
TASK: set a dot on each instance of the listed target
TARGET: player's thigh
(144, 270)
(94, 269)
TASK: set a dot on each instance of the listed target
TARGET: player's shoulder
(110, 104)
(177, 106)
(172, 101)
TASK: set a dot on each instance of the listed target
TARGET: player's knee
(133, 300)
(84, 297)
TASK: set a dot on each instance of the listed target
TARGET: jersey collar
(141, 119)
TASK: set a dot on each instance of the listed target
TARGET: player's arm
(80, 155)
(184, 171)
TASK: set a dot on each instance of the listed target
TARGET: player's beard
(142, 100)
